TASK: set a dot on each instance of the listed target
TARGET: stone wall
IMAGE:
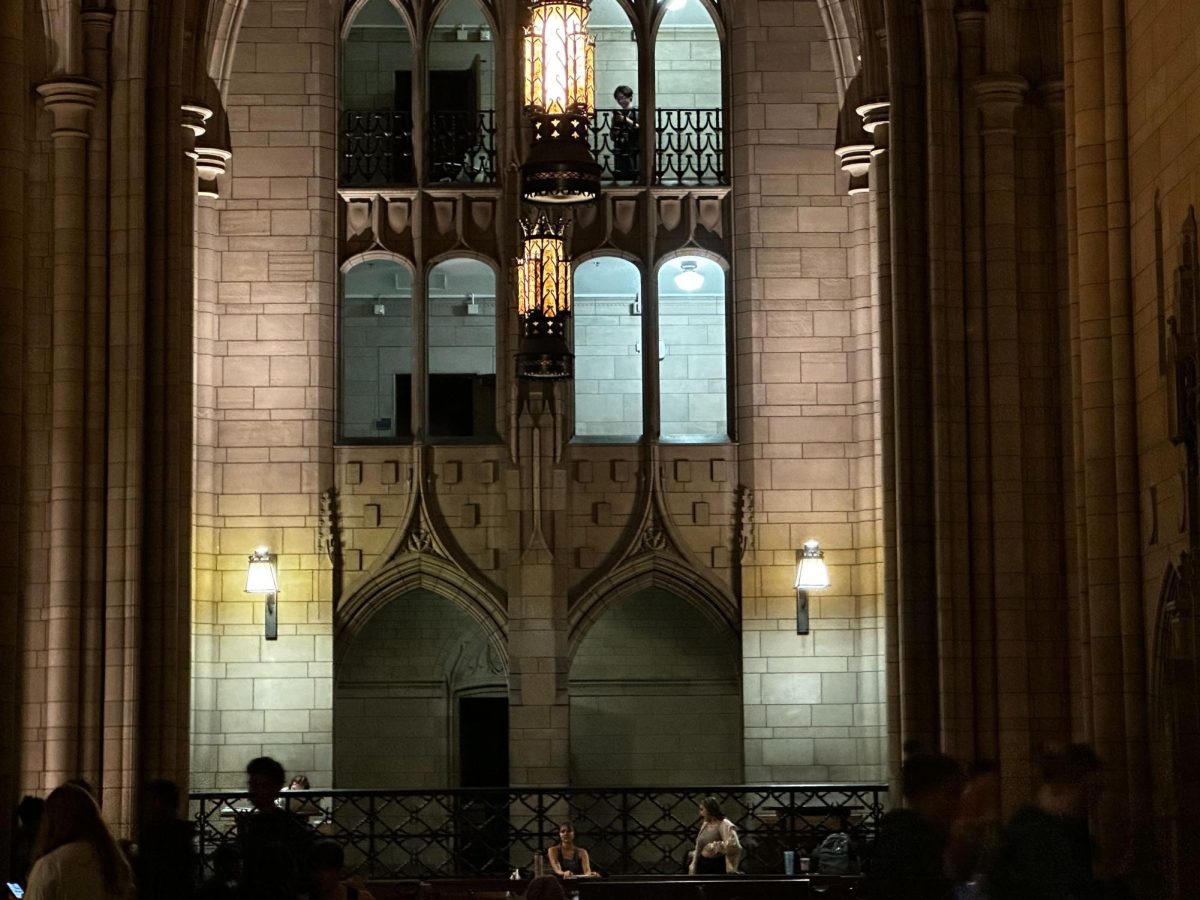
(265, 406)
(806, 399)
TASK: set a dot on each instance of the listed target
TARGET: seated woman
(567, 860)
(718, 849)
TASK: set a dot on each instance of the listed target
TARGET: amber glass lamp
(560, 101)
(544, 301)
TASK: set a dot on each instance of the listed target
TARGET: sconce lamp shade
(544, 301)
(812, 574)
(260, 573)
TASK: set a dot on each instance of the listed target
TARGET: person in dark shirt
(1045, 850)
(907, 859)
(274, 842)
(624, 132)
(164, 850)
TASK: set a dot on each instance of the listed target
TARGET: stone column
(13, 109)
(70, 102)
(998, 97)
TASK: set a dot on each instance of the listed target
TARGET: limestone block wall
(265, 404)
(608, 367)
(806, 396)
(687, 67)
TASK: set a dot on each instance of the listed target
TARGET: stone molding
(998, 98)
(70, 101)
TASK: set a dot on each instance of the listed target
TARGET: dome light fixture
(688, 278)
(675, 5)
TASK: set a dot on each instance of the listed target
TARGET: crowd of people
(947, 840)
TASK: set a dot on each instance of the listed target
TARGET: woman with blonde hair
(76, 857)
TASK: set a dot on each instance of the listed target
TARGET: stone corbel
(211, 161)
(70, 101)
(999, 97)
(855, 160)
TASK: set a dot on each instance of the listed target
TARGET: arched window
(616, 134)
(377, 344)
(377, 84)
(462, 95)
(688, 96)
(693, 390)
(461, 303)
(608, 340)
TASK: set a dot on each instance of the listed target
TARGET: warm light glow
(260, 573)
(689, 279)
(675, 5)
(812, 574)
(543, 272)
(559, 59)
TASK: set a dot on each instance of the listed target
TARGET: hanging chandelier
(544, 301)
(560, 101)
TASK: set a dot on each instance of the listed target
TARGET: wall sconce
(260, 579)
(544, 302)
(560, 100)
(811, 575)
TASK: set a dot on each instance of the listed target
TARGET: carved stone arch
(716, 11)
(841, 29)
(691, 250)
(439, 6)
(378, 256)
(431, 573)
(651, 570)
(353, 7)
(63, 33)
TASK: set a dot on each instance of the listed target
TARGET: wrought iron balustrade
(627, 831)
(377, 147)
(462, 146)
(689, 147)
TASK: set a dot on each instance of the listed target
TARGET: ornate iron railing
(689, 147)
(627, 831)
(462, 146)
(616, 146)
(377, 147)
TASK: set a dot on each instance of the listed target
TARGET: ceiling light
(689, 279)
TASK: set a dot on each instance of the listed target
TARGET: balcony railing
(627, 831)
(462, 146)
(689, 147)
(377, 147)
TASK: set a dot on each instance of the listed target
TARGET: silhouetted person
(26, 820)
(1045, 850)
(908, 856)
(76, 857)
(545, 887)
(164, 857)
(625, 134)
(223, 885)
(273, 841)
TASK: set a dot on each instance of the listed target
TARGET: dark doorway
(483, 763)
(483, 741)
(454, 121)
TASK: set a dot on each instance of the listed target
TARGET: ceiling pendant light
(544, 302)
(688, 278)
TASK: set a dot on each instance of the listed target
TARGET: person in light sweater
(718, 850)
(76, 857)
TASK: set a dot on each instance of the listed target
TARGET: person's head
(932, 785)
(226, 862)
(710, 810)
(326, 860)
(84, 785)
(624, 96)
(160, 800)
(545, 887)
(1070, 779)
(29, 813)
(566, 831)
(264, 781)
(71, 816)
(299, 783)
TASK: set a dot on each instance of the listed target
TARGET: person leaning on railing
(718, 850)
(567, 860)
